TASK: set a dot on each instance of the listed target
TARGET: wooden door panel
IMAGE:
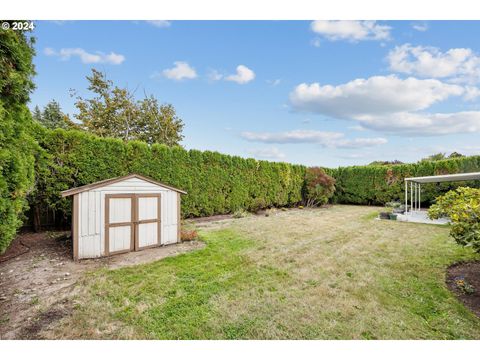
(119, 223)
(147, 208)
(148, 221)
(120, 238)
(147, 234)
(120, 210)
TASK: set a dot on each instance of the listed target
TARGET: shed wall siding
(91, 216)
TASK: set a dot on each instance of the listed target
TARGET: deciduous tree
(114, 112)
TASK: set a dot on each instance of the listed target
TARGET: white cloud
(419, 124)
(242, 76)
(214, 75)
(360, 142)
(271, 153)
(459, 64)
(323, 138)
(159, 23)
(357, 128)
(274, 82)
(87, 58)
(316, 42)
(420, 27)
(471, 93)
(350, 30)
(390, 105)
(180, 71)
(354, 156)
(49, 51)
(60, 22)
(375, 95)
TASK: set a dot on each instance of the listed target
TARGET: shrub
(319, 187)
(241, 213)
(257, 204)
(17, 147)
(375, 184)
(216, 183)
(188, 235)
(462, 206)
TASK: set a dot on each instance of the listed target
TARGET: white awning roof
(445, 178)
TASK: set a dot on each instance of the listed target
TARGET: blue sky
(315, 93)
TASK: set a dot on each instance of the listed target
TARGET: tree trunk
(36, 218)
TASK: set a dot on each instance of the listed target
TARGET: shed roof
(445, 178)
(101, 183)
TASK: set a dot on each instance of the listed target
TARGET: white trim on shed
(140, 211)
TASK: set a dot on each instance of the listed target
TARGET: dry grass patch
(333, 273)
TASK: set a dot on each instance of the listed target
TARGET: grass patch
(328, 273)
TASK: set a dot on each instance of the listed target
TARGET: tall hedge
(17, 147)
(216, 183)
(378, 184)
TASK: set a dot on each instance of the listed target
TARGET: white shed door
(119, 223)
(148, 222)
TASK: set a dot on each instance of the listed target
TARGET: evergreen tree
(17, 147)
(52, 117)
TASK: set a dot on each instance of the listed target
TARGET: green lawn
(333, 273)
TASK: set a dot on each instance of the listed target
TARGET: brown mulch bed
(211, 218)
(469, 273)
(262, 212)
(16, 248)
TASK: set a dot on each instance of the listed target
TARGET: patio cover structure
(415, 190)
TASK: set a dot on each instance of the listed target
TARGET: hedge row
(216, 183)
(378, 184)
(17, 148)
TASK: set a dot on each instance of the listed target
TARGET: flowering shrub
(462, 206)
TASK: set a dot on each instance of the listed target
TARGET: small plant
(464, 286)
(188, 235)
(396, 207)
(240, 213)
(393, 204)
(34, 301)
(258, 204)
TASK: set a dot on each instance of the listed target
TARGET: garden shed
(123, 214)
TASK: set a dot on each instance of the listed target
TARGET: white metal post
(406, 196)
(411, 196)
(419, 197)
(416, 190)
(415, 196)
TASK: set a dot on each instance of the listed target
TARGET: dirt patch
(46, 320)
(463, 280)
(36, 286)
(15, 249)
